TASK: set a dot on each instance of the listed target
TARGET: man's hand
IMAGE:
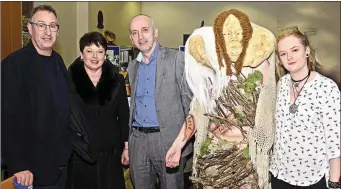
(186, 132)
(173, 156)
(24, 178)
(125, 157)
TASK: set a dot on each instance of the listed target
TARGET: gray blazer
(172, 94)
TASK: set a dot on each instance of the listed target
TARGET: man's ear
(29, 27)
(131, 39)
(156, 33)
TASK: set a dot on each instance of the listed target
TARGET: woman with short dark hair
(102, 95)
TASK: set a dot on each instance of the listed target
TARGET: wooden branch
(233, 169)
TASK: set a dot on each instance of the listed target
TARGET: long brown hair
(293, 31)
(220, 41)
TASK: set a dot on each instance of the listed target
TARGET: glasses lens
(41, 26)
(54, 27)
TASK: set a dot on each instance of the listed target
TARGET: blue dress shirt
(145, 111)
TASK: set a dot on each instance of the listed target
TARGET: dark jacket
(32, 138)
(105, 106)
(106, 114)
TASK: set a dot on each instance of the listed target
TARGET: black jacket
(105, 106)
(31, 139)
(106, 114)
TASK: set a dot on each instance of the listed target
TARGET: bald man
(160, 98)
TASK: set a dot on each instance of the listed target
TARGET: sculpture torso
(225, 106)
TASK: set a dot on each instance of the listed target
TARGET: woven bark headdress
(221, 43)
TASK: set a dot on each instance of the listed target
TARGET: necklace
(294, 107)
(297, 82)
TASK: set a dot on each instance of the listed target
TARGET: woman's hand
(125, 157)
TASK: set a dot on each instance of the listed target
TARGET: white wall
(177, 18)
(117, 16)
(325, 18)
(82, 21)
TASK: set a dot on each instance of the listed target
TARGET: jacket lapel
(133, 76)
(160, 68)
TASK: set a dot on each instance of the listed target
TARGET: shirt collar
(139, 57)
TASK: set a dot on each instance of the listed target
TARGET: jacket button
(96, 113)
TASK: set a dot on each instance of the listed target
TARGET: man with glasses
(35, 107)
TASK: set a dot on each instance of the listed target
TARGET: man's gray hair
(48, 8)
(153, 24)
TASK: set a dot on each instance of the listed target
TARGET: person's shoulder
(110, 66)
(162, 48)
(57, 56)
(75, 64)
(16, 54)
(170, 51)
(327, 82)
(133, 61)
(131, 64)
(283, 79)
(15, 58)
(110, 69)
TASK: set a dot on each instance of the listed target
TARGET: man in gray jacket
(160, 100)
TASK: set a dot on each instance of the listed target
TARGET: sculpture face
(233, 36)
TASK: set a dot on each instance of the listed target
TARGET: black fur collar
(106, 88)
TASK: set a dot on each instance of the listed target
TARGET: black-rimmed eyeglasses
(42, 26)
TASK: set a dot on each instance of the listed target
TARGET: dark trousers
(279, 184)
(147, 163)
(61, 183)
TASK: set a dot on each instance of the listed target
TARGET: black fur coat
(106, 89)
(106, 114)
(105, 106)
